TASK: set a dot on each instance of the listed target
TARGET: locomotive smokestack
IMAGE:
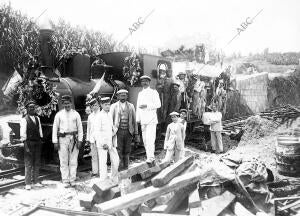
(46, 59)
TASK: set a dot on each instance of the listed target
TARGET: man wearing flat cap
(123, 115)
(67, 134)
(31, 134)
(147, 103)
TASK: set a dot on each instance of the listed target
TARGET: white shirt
(150, 98)
(65, 122)
(216, 116)
(93, 126)
(105, 129)
(23, 127)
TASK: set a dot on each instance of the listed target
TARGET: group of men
(110, 129)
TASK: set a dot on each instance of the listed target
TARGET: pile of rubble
(256, 127)
(262, 124)
(228, 186)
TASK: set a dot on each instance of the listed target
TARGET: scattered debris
(256, 127)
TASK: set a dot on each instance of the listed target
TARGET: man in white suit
(147, 103)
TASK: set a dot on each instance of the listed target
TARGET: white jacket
(150, 98)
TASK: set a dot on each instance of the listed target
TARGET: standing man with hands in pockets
(147, 103)
(67, 137)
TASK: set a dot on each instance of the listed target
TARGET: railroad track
(12, 172)
(5, 187)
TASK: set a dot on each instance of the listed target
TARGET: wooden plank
(182, 211)
(164, 165)
(133, 187)
(289, 206)
(194, 199)
(152, 192)
(103, 186)
(159, 208)
(61, 211)
(97, 199)
(195, 211)
(124, 212)
(227, 212)
(111, 194)
(179, 197)
(86, 202)
(181, 194)
(141, 167)
(286, 198)
(160, 214)
(150, 172)
(240, 210)
(143, 208)
(170, 172)
(150, 203)
(164, 199)
(215, 205)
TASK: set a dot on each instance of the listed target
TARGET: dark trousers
(32, 161)
(124, 147)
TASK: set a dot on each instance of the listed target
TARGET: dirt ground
(52, 194)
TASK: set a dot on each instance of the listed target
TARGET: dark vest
(124, 118)
(32, 132)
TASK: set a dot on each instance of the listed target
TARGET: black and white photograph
(149, 108)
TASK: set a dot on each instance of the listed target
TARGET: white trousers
(68, 159)
(216, 141)
(179, 154)
(95, 159)
(114, 159)
(149, 136)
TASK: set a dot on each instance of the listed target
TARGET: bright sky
(186, 22)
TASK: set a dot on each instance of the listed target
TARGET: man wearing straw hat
(123, 115)
(147, 103)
